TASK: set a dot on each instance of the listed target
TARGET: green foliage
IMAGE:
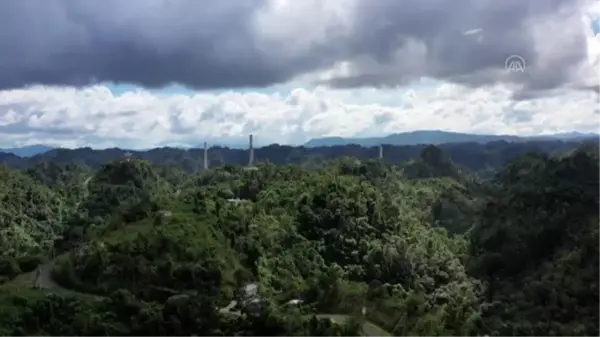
(536, 246)
(30, 220)
(339, 247)
(123, 183)
(150, 259)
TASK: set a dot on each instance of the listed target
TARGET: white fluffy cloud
(96, 117)
(343, 44)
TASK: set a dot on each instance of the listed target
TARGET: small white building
(251, 290)
(295, 302)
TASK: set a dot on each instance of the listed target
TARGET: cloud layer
(232, 43)
(140, 119)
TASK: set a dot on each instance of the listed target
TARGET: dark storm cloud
(442, 48)
(153, 43)
(214, 44)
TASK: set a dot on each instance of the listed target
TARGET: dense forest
(457, 239)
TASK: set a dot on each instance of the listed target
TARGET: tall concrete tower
(251, 159)
(380, 151)
(205, 157)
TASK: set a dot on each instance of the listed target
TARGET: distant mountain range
(440, 137)
(425, 137)
(27, 151)
(475, 157)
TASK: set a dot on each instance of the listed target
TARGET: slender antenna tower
(380, 151)
(205, 157)
(251, 159)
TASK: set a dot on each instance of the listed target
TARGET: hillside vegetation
(328, 246)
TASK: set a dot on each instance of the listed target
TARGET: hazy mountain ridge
(27, 151)
(436, 137)
(424, 137)
(476, 157)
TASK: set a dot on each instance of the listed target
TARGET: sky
(146, 73)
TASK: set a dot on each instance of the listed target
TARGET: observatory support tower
(380, 151)
(205, 157)
(251, 159)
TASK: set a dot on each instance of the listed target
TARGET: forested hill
(472, 156)
(344, 247)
